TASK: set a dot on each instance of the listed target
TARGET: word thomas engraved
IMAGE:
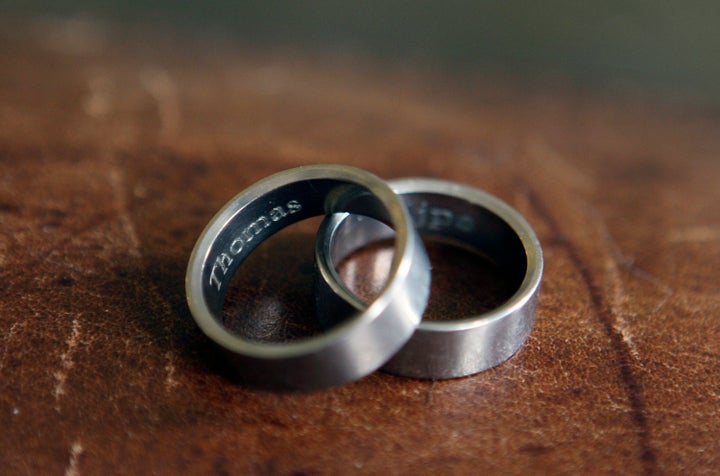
(224, 260)
(438, 218)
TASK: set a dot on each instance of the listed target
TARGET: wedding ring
(466, 345)
(351, 349)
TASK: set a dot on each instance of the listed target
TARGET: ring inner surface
(446, 220)
(267, 214)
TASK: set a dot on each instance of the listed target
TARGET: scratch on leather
(73, 467)
(66, 360)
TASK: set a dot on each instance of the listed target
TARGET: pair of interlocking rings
(360, 337)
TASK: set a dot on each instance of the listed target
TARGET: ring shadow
(270, 299)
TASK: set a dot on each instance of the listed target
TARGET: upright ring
(353, 348)
(467, 345)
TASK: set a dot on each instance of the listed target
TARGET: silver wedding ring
(466, 345)
(347, 351)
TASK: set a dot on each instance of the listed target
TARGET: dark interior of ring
(269, 214)
(449, 219)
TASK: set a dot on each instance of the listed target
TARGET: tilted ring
(466, 345)
(353, 348)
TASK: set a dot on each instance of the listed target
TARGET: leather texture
(116, 149)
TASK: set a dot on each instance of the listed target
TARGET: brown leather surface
(115, 151)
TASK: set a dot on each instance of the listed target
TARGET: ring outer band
(349, 350)
(449, 348)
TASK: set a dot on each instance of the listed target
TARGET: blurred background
(669, 47)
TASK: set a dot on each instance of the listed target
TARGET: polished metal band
(347, 351)
(444, 349)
